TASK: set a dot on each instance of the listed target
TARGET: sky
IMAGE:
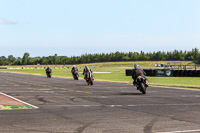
(76, 27)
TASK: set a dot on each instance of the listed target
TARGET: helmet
(74, 66)
(87, 68)
(136, 66)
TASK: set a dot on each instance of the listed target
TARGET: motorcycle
(48, 75)
(48, 72)
(76, 75)
(89, 78)
(141, 84)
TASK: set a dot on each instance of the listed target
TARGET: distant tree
(1, 62)
(198, 60)
(25, 59)
(64, 60)
(193, 55)
(18, 61)
(3, 58)
(44, 61)
(31, 61)
(55, 59)
(11, 59)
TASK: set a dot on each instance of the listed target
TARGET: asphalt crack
(149, 126)
(82, 128)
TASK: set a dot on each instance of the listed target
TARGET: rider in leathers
(74, 68)
(48, 70)
(138, 72)
(86, 69)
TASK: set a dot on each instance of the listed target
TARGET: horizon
(100, 53)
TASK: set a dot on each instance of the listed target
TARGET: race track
(72, 106)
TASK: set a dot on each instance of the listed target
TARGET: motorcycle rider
(138, 72)
(87, 69)
(74, 68)
(48, 70)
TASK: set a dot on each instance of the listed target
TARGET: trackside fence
(167, 73)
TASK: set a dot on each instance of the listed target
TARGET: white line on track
(178, 88)
(131, 96)
(135, 105)
(102, 72)
(16, 85)
(19, 100)
(185, 131)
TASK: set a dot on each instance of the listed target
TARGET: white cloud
(3, 21)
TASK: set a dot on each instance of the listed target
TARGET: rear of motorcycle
(76, 75)
(89, 79)
(48, 75)
(141, 84)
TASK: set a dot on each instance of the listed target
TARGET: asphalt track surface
(72, 106)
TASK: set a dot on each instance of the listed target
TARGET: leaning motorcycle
(75, 75)
(141, 84)
(89, 78)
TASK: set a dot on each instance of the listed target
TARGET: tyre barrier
(185, 73)
(176, 73)
(129, 72)
(3, 67)
(195, 73)
(149, 72)
(191, 73)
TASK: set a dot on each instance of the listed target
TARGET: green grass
(18, 107)
(117, 74)
(117, 70)
(143, 64)
(176, 81)
(14, 107)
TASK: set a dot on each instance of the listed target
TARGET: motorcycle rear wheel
(142, 88)
(91, 81)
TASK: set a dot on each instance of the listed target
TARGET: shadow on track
(126, 93)
(80, 85)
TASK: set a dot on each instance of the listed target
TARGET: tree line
(193, 55)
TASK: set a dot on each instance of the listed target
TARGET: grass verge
(2, 107)
(117, 75)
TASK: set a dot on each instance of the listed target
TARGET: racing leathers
(86, 69)
(138, 72)
(73, 70)
(48, 70)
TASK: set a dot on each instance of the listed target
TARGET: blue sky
(76, 27)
